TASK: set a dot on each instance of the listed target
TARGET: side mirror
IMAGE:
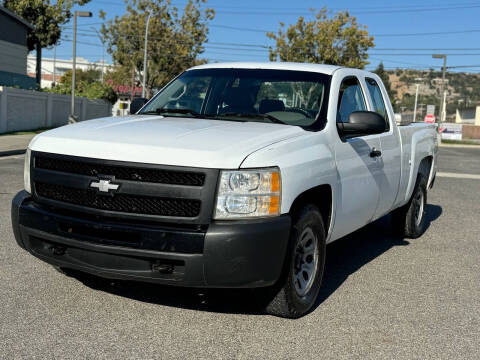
(362, 123)
(137, 104)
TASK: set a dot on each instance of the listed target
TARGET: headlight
(26, 172)
(248, 193)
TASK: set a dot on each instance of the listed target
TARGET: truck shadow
(344, 257)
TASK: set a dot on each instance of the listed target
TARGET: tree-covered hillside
(463, 89)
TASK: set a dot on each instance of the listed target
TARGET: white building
(57, 67)
(470, 116)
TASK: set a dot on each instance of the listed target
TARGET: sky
(399, 27)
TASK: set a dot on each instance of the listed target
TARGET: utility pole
(421, 108)
(444, 106)
(54, 64)
(72, 118)
(145, 56)
(417, 86)
(416, 98)
(103, 52)
(444, 69)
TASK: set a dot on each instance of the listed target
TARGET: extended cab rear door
(358, 186)
(388, 178)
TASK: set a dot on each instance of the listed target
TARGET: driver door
(358, 192)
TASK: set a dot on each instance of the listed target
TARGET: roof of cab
(320, 68)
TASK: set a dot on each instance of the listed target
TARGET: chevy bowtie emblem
(104, 185)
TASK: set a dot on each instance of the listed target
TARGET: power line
(390, 11)
(358, 10)
(433, 49)
(260, 46)
(402, 62)
(427, 33)
(228, 27)
(239, 28)
(266, 47)
(462, 66)
(302, 8)
(424, 54)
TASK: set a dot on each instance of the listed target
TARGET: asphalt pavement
(14, 144)
(383, 297)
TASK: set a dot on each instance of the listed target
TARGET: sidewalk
(471, 146)
(14, 144)
(17, 144)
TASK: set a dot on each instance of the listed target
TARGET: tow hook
(58, 250)
(162, 267)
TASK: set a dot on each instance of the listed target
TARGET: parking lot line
(11, 157)
(458, 175)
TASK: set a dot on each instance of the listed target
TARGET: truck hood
(164, 140)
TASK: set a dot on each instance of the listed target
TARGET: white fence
(28, 110)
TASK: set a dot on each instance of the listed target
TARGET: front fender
(305, 162)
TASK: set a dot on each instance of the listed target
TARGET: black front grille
(120, 202)
(143, 174)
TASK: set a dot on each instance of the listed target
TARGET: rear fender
(421, 158)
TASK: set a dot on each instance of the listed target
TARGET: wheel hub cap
(305, 262)
(419, 206)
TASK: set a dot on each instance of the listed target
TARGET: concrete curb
(12, 152)
(466, 146)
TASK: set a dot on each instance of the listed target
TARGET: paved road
(460, 160)
(383, 297)
(10, 144)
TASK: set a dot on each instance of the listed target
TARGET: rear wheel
(296, 292)
(409, 220)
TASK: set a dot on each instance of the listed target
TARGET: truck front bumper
(226, 254)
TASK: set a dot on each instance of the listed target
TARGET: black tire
(59, 269)
(286, 298)
(405, 220)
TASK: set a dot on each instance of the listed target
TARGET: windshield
(279, 96)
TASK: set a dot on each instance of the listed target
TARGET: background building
(58, 67)
(13, 50)
(469, 115)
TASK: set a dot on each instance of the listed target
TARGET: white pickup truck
(234, 175)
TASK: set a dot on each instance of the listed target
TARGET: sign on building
(451, 131)
(430, 109)
(430, 117)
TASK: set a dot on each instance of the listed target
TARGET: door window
(377, 99)
(350, 99)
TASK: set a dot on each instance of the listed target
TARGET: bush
(90, 90)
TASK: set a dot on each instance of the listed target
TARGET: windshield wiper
(173, 111)
(273, 119)
(186, 112)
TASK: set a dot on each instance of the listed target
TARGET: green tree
(382, 74)
(89, 76)
(337, 40)
(86, 85)
(175, 38)
(118, 75)
(47, 18)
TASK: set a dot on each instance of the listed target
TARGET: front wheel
(298, 289)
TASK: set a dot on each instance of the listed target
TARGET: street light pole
(416, 98)
(145, 57)
(72, 118)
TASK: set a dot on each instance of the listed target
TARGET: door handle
(375, 153)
